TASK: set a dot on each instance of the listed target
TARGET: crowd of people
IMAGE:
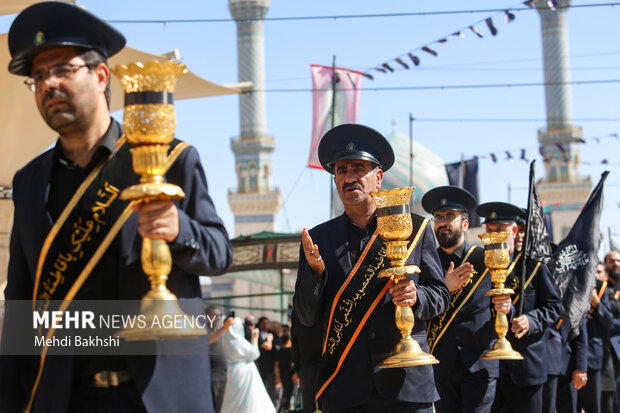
(549, 367)
(257, 366)
(252, 366)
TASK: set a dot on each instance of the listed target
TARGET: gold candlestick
(149, 122)
(497, 258)
(395, 226)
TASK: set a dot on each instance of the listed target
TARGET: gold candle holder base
(394, 228)
(407, 352)
(502, 350)
(159, 304)
(154, 310)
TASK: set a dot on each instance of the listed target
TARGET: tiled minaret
(562, 189)
(255, 203)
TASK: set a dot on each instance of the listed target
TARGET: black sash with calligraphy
(83, 225)
(362, 291)
(438, 325)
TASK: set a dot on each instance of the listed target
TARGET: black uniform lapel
(340, 245)
(39, 212)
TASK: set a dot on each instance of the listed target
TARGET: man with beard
(461, 335)
(338, 285)
(520, 385)
(73, 238)
(608, 380)
(598, 321)
(612, 265)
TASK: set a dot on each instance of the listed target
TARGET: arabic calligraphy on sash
(73, 253)
(342, 315)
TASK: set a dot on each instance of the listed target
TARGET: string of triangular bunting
(404, 61)
(507, 155)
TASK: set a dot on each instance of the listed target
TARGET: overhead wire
(509, 120)
(446, 87)
(354, 16)
(400, 14)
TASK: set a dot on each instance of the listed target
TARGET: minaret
(256, 203)
(562, 189)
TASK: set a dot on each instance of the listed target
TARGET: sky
(452, 122)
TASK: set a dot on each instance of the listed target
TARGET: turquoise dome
(429, 170)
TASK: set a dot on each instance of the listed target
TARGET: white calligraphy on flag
(571, 258)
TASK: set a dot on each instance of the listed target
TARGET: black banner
(576, 258)
(464, 174)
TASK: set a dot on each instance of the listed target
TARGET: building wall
(6, 223)
(225, 286)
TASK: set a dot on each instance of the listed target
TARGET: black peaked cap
(51, 24)
(448, 197)
(354, 141)
(500, 212)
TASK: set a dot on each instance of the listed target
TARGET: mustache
(55, 94)
(347, 185)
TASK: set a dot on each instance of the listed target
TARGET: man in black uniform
(338, 285)
(598, 322)
(59, 196)
(461, 335)
(612, 263)
(520, 383)
(268, 345)
(608, 382)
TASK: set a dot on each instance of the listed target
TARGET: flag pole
(411, 119)
(333, 110)
(526, 243)
(462, 179)
(334, 80)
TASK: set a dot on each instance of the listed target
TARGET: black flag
(536, 245)
(464, 174)
(576, 258)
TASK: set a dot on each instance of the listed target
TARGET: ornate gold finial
(150, 76)
(149, 117)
